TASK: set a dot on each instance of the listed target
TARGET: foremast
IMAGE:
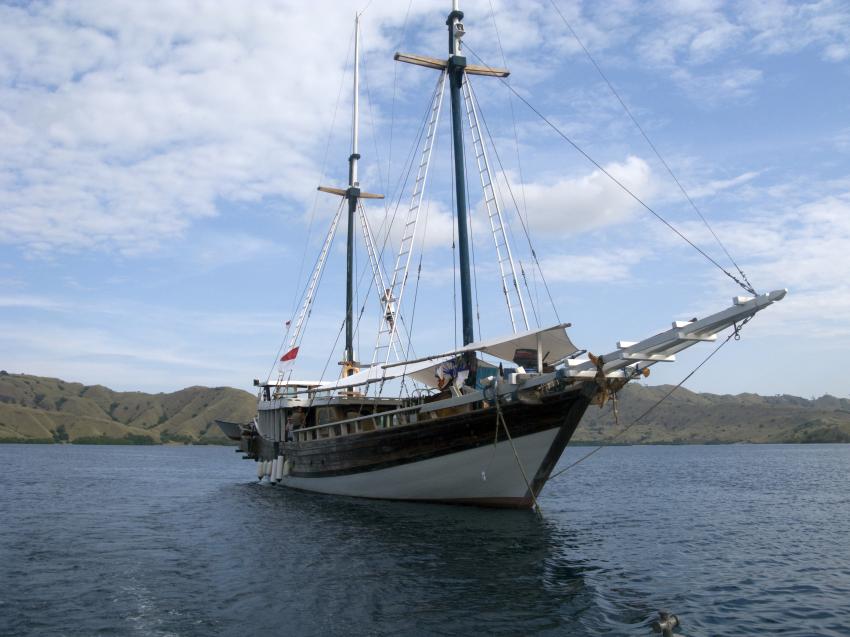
(352, 194)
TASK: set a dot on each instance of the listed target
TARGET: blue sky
(158, 166)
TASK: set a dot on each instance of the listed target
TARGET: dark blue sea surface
(737, 540)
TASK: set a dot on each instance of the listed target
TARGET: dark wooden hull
(362, 464)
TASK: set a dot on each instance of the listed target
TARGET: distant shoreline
(41, 410)
(584, 443)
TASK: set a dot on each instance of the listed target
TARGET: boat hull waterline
(487, 475)
(458, 459)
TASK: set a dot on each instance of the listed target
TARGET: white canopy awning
(422, 371)
(554, 345)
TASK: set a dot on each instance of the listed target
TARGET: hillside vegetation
(38, 409)
(689, 417)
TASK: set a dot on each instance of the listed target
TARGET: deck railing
(359, 424)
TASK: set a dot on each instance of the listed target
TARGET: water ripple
(181, 541)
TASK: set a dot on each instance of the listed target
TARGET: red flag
(290, 355)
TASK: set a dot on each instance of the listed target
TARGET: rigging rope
(513, 114)
(604, 171)
(736, 334)
(415, 298)
(519, 214)
(295, 299)
(395, 89)
(501, 417)
(534, 299)
(402, 182)
(749, 287)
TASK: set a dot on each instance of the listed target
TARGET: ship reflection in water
(405, 566)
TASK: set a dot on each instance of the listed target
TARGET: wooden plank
(383, 448)
(475, 69)
(421, 60)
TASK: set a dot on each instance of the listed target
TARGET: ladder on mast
(377, 270)
(310, 293)
(393, 294)
(507, 270)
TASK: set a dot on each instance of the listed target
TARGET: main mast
(457, 70)
(456, 66)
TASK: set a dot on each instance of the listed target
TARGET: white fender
(260, 469)
(287, 467)
(273, 472)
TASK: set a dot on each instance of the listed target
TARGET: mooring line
(500, 417)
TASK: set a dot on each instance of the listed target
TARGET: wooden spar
(344, 192)
(435, 63)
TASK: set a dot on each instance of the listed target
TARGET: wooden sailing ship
(487, 422)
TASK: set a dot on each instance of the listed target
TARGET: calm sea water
(737, 540)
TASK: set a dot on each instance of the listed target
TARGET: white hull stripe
(452, 477)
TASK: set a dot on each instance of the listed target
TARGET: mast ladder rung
(390, 317)
(513, 295)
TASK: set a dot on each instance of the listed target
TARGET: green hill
(38, 409)
(689, 417)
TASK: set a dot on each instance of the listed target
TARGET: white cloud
(434, 229)
(711, 88)
(718, 185)
(591, 268)
(800, 246)
(124, 124)
(780, 27)
(30, 301)
(702, 44)
(574, 205)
